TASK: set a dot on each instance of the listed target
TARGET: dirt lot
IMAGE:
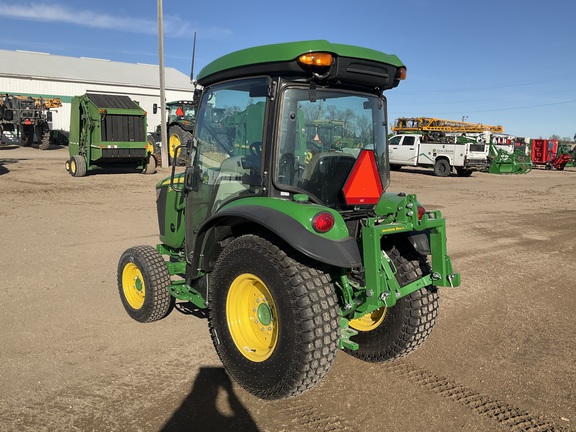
(502, 355)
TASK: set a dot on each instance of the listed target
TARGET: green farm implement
(108, 131)
(295, 250)
(504, 162)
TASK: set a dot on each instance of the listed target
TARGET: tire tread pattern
(420, 310)
(316, 319)
(159, 302)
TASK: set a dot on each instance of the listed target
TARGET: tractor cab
(312, 129)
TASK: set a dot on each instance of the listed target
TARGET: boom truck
(444, 145)
(28, 117)
(293, 256)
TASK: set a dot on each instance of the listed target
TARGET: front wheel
(143, 281)
(77, 166)
(274, 318)
(394, 332)
(442, 168)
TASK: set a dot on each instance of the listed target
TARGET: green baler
(108, 131)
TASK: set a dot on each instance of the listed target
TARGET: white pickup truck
(414, 150)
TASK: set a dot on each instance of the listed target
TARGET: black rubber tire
(158, 302)
(177, 136)
(77, 166)
(442, 168)
(408, 323)
(394, 167)
(157, 149)
(27, 135)
(44, 143)
(307, 318)
(150, 165)
(463, 172)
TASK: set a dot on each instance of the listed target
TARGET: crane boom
(429, 124)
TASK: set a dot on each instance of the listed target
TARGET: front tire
(390, 333)
(274, 318)
(143, 281)
(77, 166)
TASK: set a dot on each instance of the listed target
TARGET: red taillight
(421, 211)
(323, 222)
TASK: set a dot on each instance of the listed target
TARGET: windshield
(321, 134)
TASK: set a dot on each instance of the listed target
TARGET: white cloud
(173, 26)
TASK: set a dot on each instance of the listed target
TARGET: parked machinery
(28, 117)
(108, 131)
(293, 257)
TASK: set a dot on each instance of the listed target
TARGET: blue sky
(507, 62)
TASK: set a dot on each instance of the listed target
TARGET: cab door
(403, 150)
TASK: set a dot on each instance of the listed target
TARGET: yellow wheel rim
(252, 317)
(173, 142)
(133, 286)
(150, 147)
(370, 321)
(72, 166)
(309, 156)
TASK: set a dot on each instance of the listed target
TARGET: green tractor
(292, 257)
(108, 131)
(180, 124)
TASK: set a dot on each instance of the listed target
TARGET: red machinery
(545, 152)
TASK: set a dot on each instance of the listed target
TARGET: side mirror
(154, 108)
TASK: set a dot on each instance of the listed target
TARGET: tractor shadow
(211, 405)
(5, 162)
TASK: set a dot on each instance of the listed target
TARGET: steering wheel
(256, 149)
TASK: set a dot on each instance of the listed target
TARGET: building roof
(34, 65)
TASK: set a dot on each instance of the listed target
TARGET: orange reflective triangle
(364, 185)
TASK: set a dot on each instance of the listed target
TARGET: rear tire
(394, 332)
(274, 318)
(149, 165)
(143, 281)
(27, 135)
(177, 137)
(463, 172)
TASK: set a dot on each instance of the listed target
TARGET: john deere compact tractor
(292, 245)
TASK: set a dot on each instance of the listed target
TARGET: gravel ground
(501, 357)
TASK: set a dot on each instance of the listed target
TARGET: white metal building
(51, 76)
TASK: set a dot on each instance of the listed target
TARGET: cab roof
(281, 59)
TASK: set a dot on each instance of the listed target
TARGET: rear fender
(290, 221)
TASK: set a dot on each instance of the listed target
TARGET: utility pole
(163, 131)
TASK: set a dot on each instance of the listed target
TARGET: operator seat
(325, 175)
